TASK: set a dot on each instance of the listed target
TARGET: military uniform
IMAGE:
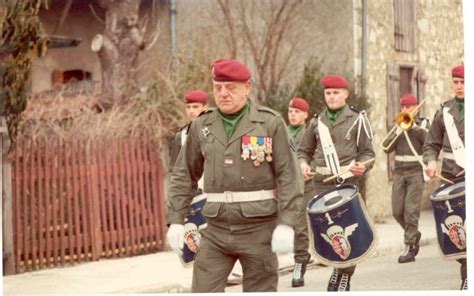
(408, 183)
(237, 229)
(438, 140)
(350, 144)
(301, 254)
(175, 145)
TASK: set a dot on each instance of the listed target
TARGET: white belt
(448, 155)
(240, 196)
(407, 158)
(327, 171)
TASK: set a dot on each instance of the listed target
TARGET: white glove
(283, 239)
(175, 237)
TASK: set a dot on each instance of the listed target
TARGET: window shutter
(404, 25)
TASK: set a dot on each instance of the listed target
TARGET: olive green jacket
(346, 144)
(175, 147)
(207, 150)
(417, 135)
(438, 138)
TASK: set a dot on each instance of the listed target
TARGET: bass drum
(449, 208)
(342, 234)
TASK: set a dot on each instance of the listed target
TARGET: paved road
(384, 273)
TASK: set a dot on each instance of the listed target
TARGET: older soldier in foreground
(340, 139)
(252, 183)
(447, 134)
(297, 114)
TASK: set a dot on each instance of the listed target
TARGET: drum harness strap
(417, 156)
(329, 150)
(454, 140)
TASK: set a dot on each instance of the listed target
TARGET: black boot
(408, 254)
(417, 242)
(334, 280)
(464, 284)
(298, 274)
(344, 282)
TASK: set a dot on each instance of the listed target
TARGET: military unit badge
(257, 148)
(337, 237)
(454, 227)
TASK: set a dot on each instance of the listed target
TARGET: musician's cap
(334, 81)
(299, 103)
(458, 71)
(229, 70)
(195, 96)
(408, 100)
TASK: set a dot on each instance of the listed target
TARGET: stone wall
(439, 46)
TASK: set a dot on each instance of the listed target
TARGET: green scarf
(294, 130)
(460, 103)
(231, 121)
(332, 115)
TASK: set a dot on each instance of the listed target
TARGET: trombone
(404, 121)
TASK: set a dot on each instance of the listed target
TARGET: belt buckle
(229, 198)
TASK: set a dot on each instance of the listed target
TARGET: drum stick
(340, 174)
(310, 173)
(444, 179)
(460, 173)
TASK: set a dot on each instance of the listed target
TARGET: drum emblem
(337, 236)
(192, 238)
(454, 227)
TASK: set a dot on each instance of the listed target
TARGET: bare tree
(261, 30)
(118, 49)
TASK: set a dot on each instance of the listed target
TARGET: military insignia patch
(337, 236)
(454, 227)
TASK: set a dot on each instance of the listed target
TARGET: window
(60, 77)
(404, 22)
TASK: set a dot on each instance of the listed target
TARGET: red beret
(195, 96)
(229, 70)
(458, 71)
(408, 100)
(334, 81)
(299, 103)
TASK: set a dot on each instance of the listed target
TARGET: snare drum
(449, 208)
(193, 223)
(342, 233)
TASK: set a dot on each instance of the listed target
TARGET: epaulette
(354, 109)
(268, 110)
(207, 111)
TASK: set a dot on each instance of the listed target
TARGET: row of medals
(256, 153)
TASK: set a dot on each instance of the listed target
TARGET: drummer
(340, 139)
(450, 140)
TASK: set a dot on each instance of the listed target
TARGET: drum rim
(325, 192)
(435, 197)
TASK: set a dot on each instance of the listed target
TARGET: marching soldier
(251, 179)
(408, 181)
(340, 139)
(196, 102)
(447, 134)
(297, 114)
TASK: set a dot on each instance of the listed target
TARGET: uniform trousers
(301, 244)
(407, 191)
(222, 245)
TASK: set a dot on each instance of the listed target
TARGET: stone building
(389, 46)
